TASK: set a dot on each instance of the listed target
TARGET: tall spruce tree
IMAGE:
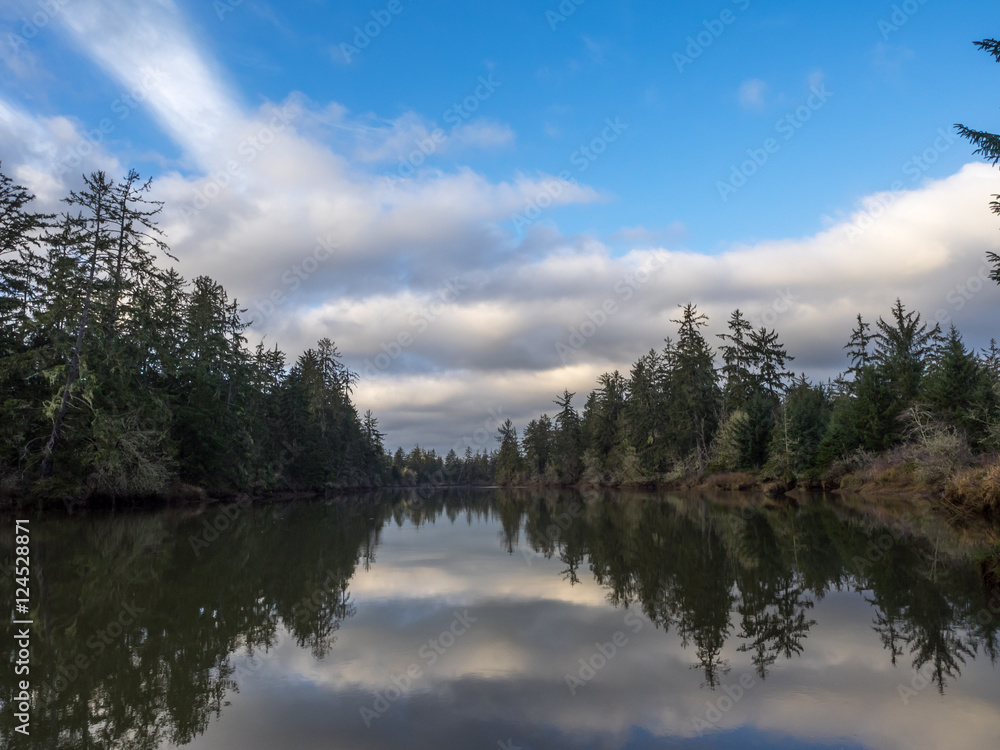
(988, 146)
(694, 393)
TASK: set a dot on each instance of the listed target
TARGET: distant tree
(736, 358)
(508, 462)
(537, 442)
(566, 441)
(694, 394)
(903, 347)
(958, 389)
(858, 347)
(645, 411)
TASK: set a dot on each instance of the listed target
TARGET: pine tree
(566, 442)
(902, 348)
(20, 235)
(737, 358)
(857, 347)
(958, 391)
(799, 429)
(988, 146)
(92, 236)
(508, 462)
(694, 394)
(768, 358)
(645, 410)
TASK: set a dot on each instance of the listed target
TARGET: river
(489, 619)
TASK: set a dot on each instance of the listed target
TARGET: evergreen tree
(800, 426)
(508, 462)
(566, 441)
(858, 347)
(645, 409)
(958, 391)
(736, 357)
(694, 393)
(902, 348)
(988, 146)
(537, 444)
(118, 377)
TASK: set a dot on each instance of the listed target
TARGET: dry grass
(974, 491)
(925, 465)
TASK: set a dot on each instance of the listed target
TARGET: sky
(485, 203)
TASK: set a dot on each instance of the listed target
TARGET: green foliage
(566, 440)
(693, 396)
(118, 378)
(753, 433)
(799, 429)
(958, 390)
(677, 416)
(538, 441)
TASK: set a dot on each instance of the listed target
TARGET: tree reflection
(137, 624)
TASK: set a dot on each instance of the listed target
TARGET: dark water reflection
(486, 619)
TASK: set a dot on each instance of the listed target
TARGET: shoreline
(956, 493)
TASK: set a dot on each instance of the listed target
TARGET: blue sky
(838, 103)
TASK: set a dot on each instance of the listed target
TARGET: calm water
(507, 619)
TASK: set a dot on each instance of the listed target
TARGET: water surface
(508, 619)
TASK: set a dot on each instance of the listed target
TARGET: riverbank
(965, 490)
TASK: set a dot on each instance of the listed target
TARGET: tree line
(689, 410)
(121, 379)
(911, 392)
